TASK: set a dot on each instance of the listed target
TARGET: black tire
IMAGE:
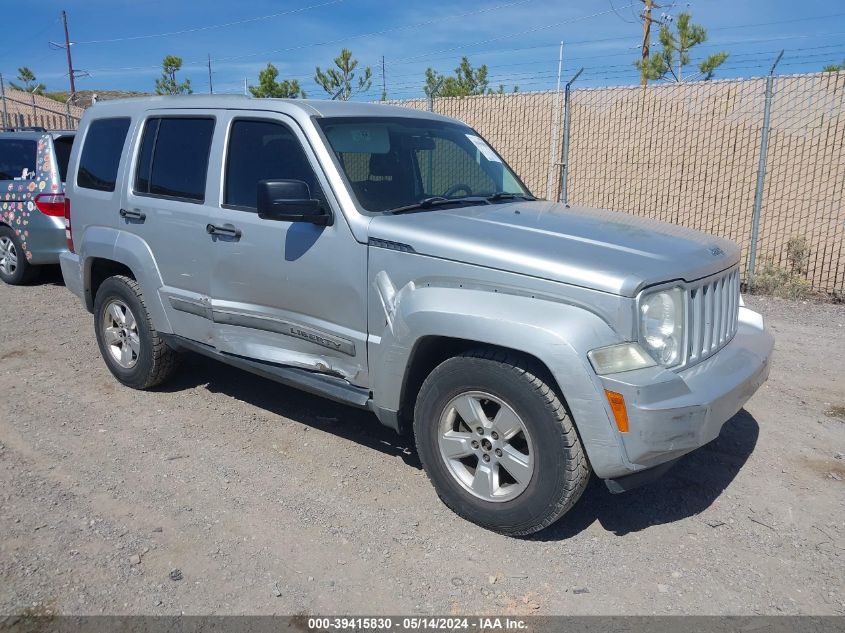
(561, 471)
(155, 360)
(24, 272)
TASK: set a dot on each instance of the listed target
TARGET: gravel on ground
(226, 493)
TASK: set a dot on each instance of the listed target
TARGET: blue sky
(118, 42)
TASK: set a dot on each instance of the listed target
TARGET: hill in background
(83, 97)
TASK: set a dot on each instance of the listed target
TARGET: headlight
(662, 325)
(618, 358)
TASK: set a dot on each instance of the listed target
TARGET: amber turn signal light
(620, 413)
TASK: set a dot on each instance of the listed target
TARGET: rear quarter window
(103, 145)
(63, 145)
(17, 155)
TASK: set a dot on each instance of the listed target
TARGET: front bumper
(672, 413)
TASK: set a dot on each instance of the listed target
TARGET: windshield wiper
(506, 195)
(435, 201)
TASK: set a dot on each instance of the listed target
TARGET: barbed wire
(409, 88)
(765, 55)
(526, 79)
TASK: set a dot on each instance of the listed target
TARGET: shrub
(786, 282)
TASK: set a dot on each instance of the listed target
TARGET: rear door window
(101, 154)
(17, 155)
(173, 160)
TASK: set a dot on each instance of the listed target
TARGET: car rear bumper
(72, 273)
(44, 238)
(673, 413)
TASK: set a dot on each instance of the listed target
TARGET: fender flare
(558, 334)
(133, 252)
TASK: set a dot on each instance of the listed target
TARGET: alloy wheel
(8, 256)
(120, 333)
(485, 446)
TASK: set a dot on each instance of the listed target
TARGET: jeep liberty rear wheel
(498, 443)
(134, 352)
(15, 270)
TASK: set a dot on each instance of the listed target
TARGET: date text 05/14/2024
(385, 624)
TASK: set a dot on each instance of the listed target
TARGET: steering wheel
(451, 191)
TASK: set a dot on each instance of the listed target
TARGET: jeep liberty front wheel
(498, 444)
(133, 350)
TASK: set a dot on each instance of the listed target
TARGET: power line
(619, 15)
(619, 38)
(430, 54)
(407, 61)
(31, 38)
(508, 35)
(334, 41)
(380, 32)
(210, 27)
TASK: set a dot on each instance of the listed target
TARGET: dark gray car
(33, 167)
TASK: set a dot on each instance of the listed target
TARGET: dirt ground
(268, 500)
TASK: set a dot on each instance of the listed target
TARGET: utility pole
(69, 60)
(245, 92)
(71, 73)
(383, 83)
(210, 85)
(646, 16)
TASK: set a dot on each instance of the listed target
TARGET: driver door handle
(226, 230)
(126, 214)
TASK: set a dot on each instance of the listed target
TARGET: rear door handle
(227, 230)
(126, 214)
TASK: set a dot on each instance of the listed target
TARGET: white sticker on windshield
(484, 148)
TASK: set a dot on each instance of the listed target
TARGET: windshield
(393, 163)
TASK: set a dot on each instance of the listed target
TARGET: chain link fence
(689, 154)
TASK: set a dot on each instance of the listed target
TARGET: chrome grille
(713, 307)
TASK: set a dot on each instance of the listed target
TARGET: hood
(594, 248)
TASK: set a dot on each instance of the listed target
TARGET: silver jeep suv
(389, 259)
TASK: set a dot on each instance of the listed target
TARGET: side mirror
(289, 201)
